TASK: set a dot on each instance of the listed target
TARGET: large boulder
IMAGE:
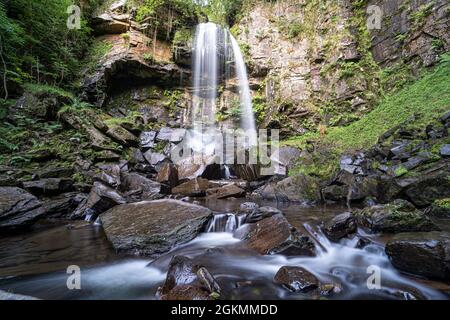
(168, 175)
(18, 209)
(153, 227)
(275, 235)
(296, 279)
(424, 190)
(425, 253)
(395, 217)
(122, 136)
(63, 205)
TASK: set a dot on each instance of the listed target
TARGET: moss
(400, 171)
(418, 17)
(442, 203)
(42, 88)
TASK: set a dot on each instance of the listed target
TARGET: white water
(225, 223)
(214, 49)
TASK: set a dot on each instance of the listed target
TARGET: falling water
(225, 222)
(215, 51)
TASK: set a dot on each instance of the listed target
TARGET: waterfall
(215, 53)
(225, 222)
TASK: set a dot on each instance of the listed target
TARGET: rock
(439, 208)
(147, 139)
(182, 271)
(296, 279)
(138, 188)
(53, 172)
(340, 226)
(428, 187)
(193, 188)
(207, 280)
(275, 235)
(110, 175)
(198, 167)
(425, 253)
(100, 199)
(248, 207)
(287, 158)
(335, 192)
(106, 24)
(171, 135)
(63, 205)
(7, 296)
(153, 227)
(49, 186)
(230, 190)
(261, 213)
(18, 209)
(187, 292)
(395, 217)
(299, 188)
(122, 136)
(154, 158)
(246, 172)
(106, 156)
(445, 150)
(40, 104)
(168, 175)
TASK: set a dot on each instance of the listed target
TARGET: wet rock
(168, 175)
(63, 205)
(193, 188)
(246, 172)
(18, 209)
(153, 227)
(248, 207)
(154, 158)
(182, 271)
(147, 139)
(207, 280)
(296, 279)
(426, 253)
(196, 167)
(261, 213)
(329, 289)
(186, 292)
(138, 188)
(340, 226)
(445, 150)
(275, 235)
(228, 191)
(49, 186)
(395, 217)
(100, 199)
(299, 188)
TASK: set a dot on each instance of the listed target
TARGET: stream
(35, 263)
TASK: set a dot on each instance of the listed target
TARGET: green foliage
(222, 11)
(259, 107)
(418, 17)
(148, 57)
(400, 171)
(443, 203)
(37, 45)
(96, 52)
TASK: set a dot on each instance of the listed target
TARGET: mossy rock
(440, 208)
(398, 216)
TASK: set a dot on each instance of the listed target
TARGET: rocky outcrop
(193, 188)
(398, 216)
(138, 188)
(426, 254)
(49, 186)
(275, 235)
(153, 227)
(227, 191)
(18, 209)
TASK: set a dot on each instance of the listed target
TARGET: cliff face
(318, 64)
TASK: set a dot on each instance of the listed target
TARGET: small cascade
(89, 215)
(225, 223)
(227, 172)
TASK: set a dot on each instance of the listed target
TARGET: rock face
(49, 186)
(260, 213)
(398, 216)
(275, 235)
(425, 253)
(18, 209)
(296, 279)
(153, 227)
(138, 188)
(196, 167)
(340, 226)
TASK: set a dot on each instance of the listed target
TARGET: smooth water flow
(217, 60)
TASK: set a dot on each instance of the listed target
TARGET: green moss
(442, 203)
(418, 17)
(42, 88)
(96, 53)
(400, 171)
